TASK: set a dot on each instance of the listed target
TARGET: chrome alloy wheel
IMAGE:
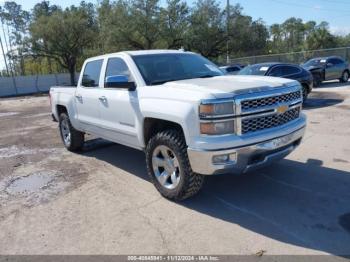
(345, 76)
(65, 132)
(166, 167)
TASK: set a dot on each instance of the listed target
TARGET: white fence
(22, 85)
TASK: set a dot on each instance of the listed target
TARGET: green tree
(114, 27)
(320, 38)
(144, 30)
(174, 23)
(206, 34)
(17, 20)
(245, 36)
(130, 25)
(43, 9)
(63, 36)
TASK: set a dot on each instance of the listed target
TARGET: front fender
(183, 113)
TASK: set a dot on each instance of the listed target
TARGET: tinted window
(316, 62)
(276, 71)
(161, 68)
(233, 69)
(255, 70)
(331, 61)
(290, 70)
(91, 75)
(335, 61)
(116, 67)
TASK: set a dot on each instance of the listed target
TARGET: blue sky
(336, 12)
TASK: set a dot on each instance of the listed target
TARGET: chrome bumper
(247, 158)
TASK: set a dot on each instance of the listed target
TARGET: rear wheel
(72, 139)
(169, 168)
(345, 77)
(317, 80)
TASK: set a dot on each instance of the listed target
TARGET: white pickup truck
(188, 117)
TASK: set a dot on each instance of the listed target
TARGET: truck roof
(153, 52)
(141, 52)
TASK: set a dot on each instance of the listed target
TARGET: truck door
(87, 96)
(118, 106)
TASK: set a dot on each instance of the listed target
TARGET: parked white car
(188, 117)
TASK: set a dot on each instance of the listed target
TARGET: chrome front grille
(254, 104)
(259, 123)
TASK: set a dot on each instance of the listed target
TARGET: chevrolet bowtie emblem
(282, 109)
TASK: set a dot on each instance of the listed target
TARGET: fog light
(222, 159)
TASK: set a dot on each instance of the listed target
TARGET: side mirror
(119, 81)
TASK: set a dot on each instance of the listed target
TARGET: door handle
(102, 98)
(78, 97)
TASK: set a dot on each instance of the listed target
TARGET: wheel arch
(306, 85)
(61, 109)
(152, 126)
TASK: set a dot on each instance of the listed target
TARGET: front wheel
(169, 168)
(305, 92)
(345, 77)
(72, 139)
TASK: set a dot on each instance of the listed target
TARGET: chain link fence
(294, 57)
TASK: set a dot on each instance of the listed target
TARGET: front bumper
(245, 158)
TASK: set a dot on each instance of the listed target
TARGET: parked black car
(282, 70)
(328, 68)
(232, 69)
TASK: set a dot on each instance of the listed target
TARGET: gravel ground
(101, 201)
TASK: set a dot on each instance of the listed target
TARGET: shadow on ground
(303, 204)
(317, 99)
(332, 84)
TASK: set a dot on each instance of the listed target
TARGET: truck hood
(229, 86)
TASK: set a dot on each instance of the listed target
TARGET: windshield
(161, 68)
(254, 70)
(316, 62)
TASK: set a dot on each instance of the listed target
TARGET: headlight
(217, 128)
(216, 109)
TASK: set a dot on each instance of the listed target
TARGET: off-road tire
(76, 137)
(190, 182)
(344, 77)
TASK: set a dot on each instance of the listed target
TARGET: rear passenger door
(87, 96)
